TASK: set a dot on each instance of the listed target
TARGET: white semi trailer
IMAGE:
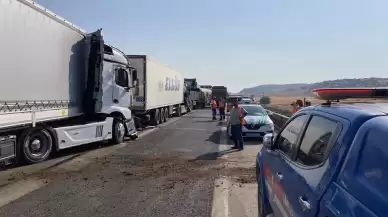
(159, 93)
(60, 87)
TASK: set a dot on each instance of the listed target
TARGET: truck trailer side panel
(41, 55)
(159, 85)
(42, 64)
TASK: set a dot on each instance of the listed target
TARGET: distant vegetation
(265, 100)
(303, 89)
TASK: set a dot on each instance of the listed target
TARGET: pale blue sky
(244, 43)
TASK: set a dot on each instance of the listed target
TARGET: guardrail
(278, 119)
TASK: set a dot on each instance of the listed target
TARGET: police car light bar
(332, 94)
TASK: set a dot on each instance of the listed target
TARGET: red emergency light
(332, 94)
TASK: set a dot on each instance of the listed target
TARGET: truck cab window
(288, 137)
(317, 141)
(121, 77)
(134, 75)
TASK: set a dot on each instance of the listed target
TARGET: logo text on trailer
(172, 84)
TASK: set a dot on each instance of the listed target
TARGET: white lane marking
(19, 189)
(220, 206)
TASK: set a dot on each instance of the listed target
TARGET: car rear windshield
(254, 110)
(246, 100)
(234, 99)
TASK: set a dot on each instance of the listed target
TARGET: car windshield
(254, 110)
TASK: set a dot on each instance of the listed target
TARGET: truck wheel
(155, 117)
(36, 145)
(179, 111)
(166, 114)
(118, 131)
(162, 115)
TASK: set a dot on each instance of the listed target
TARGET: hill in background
(304, 89)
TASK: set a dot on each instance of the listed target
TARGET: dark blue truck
(328, 160)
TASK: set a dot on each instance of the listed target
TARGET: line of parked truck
(63, 87)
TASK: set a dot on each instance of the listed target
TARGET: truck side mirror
(135, 83)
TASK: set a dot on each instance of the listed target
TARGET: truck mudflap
(95, 58)
(131, 129)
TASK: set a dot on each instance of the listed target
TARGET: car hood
(262, 120)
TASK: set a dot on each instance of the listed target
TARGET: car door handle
(304, 203)
(279, 175)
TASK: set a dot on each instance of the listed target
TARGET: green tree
(265, 100)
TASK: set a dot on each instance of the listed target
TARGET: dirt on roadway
(168, 173)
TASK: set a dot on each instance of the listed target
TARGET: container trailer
(60, 87)
(159, 94)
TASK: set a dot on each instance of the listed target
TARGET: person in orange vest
(236, 120)
(221, 108)
(214, 108)
(296, 105)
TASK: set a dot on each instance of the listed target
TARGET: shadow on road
(214, 137)
(205, 121)
(213, 155)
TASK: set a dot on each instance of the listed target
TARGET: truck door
(95, 55)
(275, 169)
(121, 92)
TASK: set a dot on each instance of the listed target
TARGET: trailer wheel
(162, 115)
(155, 117)
(36, 145)
(179, 111)
(166, 114)
(118, 131)
(161, 112)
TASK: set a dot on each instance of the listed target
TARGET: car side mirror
(269, 113)
(269, 141)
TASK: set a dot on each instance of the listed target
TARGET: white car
(257, 122)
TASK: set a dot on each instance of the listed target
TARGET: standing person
(214, 108)
(236, 121)
(221, 108)
(296, 105)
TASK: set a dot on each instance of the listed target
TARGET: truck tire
(36, 145)
(118, 131)
(166, 114)
(162, 115)
(155, 117)
(178, 111)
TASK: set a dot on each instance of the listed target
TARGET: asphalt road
(185, 168)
